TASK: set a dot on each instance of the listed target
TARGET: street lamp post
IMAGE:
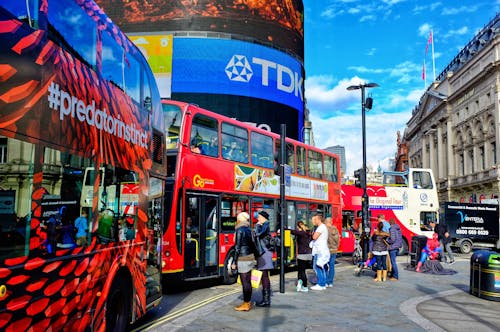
(364, 201)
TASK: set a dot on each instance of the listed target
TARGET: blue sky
(354, 41)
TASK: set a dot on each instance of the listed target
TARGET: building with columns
(455, 128)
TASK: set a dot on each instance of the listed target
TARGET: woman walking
(304, 256)
(380, 252)
(244, 258)
(265, 261)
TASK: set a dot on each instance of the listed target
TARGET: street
(417, 302)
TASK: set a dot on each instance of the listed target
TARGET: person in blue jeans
(333, 246)
(395, 242)
(320, 251)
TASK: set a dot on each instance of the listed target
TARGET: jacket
(378, 241)
(243, 243)
(333, 239)
(396, 239)
(263, 234)
(303, 238)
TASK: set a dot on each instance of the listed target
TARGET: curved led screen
(277, 22)
(220, 66)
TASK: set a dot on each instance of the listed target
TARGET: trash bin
(418, 243)
(485, 275)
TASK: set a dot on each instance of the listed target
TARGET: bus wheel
(119, 304)
(465, 246)
(229, 278)
(404, 248)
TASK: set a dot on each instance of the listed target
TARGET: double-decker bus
(409, 197)
(75, 96)
(219, 167)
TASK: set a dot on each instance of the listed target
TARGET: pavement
(416, 302)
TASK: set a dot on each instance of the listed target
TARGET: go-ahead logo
(238, 69)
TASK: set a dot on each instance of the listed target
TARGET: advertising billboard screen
(220, 66)
(277, 22)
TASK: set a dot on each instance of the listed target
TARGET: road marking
(182, 311)
(409, 309)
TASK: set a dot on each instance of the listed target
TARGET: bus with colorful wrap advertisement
(219, 167)
(79, 249)
(409, 197)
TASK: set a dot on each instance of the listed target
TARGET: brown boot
(384, 275)
(379, 276)
(245, 306)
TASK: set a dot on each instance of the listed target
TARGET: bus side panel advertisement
(219, 66)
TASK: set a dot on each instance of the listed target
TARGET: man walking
(395, 242)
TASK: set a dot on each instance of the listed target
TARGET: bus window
(315, 160)
(330, 168)
(234, 143)
(428, 220)
(25, 10)
(68, 19)
(204, 136)
(262, 150)
(301, 214)
(230, 207)
(172, 117)
(267, 205)
(290, 156)
(15, 200)
(301, 160)
(422, 180)
(112, 61)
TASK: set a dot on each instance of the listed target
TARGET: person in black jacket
(304, 256)
(444, 242)
(244, 258)
(265, 261)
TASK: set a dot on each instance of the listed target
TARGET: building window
(462, 164)
(471, 159)
(493, 153)
(3, 150)
(481, 158)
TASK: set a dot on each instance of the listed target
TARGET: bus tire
(465, 246)
(404, 248)
(228, 277)
(119, 304)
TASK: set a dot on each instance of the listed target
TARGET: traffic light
(359, 178)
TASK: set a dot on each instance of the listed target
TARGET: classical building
(455, 128)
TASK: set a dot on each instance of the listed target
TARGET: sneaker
(318, 287)
(329, 285)
(304, 289)
(299, 285)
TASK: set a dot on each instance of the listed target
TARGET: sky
(351, 42)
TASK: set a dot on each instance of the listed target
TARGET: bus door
(201, 235)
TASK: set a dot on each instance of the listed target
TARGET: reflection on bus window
(234, 143)
(315, 164)
(262, 150)
(69, 20)
(301, 160)
(204, 136)
(172, 117)
(422, 180)
(16, 198)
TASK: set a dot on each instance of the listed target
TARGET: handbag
(255, 278)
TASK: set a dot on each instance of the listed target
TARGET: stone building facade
(455, 128)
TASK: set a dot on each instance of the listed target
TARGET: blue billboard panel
(220, 66)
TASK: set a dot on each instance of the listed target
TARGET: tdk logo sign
(239, 69)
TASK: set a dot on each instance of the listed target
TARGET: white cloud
(336, 117)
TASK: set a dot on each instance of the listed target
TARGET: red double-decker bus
(219, 167)
(82, 171)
